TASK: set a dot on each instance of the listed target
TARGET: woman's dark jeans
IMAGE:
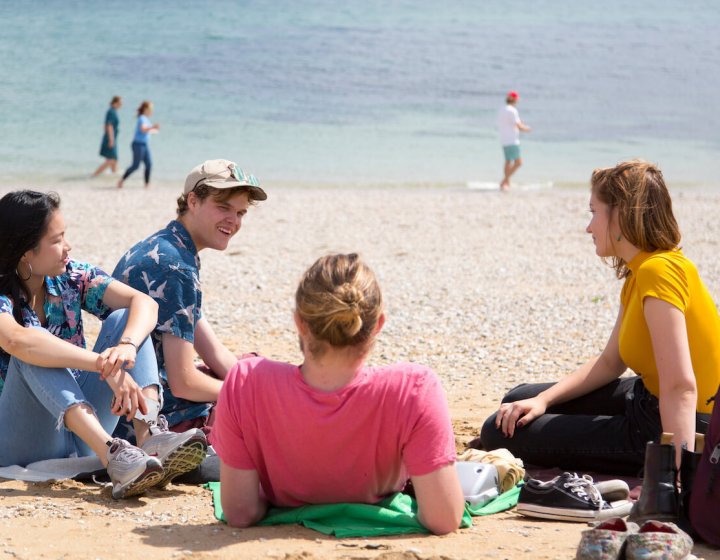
(141, 154)
(604, 431)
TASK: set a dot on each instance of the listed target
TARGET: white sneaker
(131, 470)
(178, 452)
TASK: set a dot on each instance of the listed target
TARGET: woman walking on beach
(108, 147)
(140, 143)
(58, 399)
(667, 331)
(333, 429)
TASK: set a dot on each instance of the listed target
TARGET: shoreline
(486, 184)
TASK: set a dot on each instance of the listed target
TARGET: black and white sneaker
(568, 497)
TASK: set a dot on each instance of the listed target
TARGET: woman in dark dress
(108, 147)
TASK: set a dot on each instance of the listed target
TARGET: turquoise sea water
(363, 91)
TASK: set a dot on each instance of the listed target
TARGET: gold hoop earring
(28, 276)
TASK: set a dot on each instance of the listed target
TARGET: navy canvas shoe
(568, 497)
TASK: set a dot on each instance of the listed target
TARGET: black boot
(659, 496)
(688, 465)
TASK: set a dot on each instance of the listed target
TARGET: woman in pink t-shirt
(333, 429)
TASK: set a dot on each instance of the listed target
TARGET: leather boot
(659, 495)
(688, 465)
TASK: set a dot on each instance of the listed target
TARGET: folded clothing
(510, 469)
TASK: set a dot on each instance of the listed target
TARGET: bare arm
(240, 496)
(40, 348)
(110, 131)
(593, 374)
(142, 316)
(213, 352)
(678, 388)
(522, 126)
(440, 500)
(185, 380)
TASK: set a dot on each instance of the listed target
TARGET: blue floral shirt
(80, 287)
(166, 266)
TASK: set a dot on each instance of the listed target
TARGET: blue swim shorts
(512, 152)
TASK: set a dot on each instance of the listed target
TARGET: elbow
(16, 344)
(181, 389)
(241, 520)
(151, 306)
(242, 517)
(448, 524)
(443, 523)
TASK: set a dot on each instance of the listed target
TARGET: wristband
(128, 340)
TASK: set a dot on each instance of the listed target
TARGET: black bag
(705, 496)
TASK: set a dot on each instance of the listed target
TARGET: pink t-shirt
(356, 444)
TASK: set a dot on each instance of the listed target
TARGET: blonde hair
(340, 301)
(645, 216)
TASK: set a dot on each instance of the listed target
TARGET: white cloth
(507, 121)
(52, 469)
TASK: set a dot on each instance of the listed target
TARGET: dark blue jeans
(604, 431)
(141, 154)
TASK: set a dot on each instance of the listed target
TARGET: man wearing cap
(510, 125)
(166, 266)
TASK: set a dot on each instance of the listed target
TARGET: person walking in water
(108, 147)
(140, 146)
(510, 126)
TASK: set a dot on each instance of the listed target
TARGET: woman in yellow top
(667, 331)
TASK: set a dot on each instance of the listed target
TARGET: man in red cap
(510, 125)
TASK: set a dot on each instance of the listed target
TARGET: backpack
(705, 496)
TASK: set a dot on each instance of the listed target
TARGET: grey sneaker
(131, 470)
(178, 452)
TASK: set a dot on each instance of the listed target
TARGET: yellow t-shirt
(671, 277)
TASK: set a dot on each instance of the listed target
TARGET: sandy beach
(488, 289)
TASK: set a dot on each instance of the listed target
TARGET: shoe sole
(618, 509)
(152, 476)
(184, 459)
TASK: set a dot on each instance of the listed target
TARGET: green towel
(395, 515)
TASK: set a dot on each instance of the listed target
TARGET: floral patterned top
(82, 286)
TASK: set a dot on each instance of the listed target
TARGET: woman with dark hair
(108, 147)
(140, 144)
(667, 331)
(58, 398)
(334, 429)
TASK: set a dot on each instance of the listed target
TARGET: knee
(490, 437)
(17, 365)
(116, 319)
(517, 393)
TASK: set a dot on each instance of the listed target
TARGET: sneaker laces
(160, 426)
(584, 487)
(125, 452)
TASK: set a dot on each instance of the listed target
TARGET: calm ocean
(363, 91)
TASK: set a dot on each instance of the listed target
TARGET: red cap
(513, 95)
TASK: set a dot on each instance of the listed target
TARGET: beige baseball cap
(223, 174)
